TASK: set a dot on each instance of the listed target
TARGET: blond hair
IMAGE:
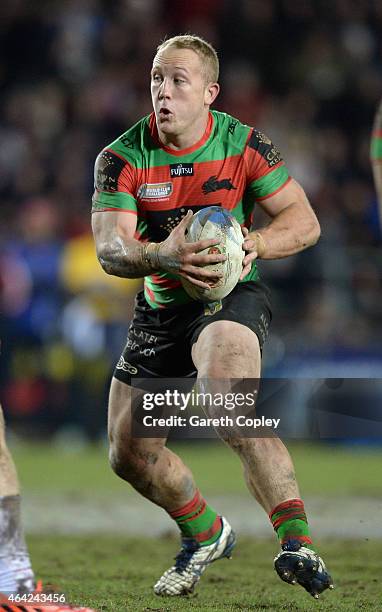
(206, 52)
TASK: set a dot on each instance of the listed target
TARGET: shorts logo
(154, 191)
(126, 366)
(177, 170)
(212, 307)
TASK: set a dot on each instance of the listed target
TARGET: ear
(211, 93)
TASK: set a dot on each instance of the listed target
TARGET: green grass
(321, 469)
(115, 574)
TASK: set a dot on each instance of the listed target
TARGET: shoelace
(182, 559)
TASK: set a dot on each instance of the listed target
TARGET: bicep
(291, 193)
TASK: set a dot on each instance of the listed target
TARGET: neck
(185, 139)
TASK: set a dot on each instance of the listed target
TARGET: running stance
(178, 160)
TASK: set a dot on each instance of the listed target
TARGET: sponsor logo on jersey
(232, 126)
(126, 366)
(181, 170)
(108, 169)
(261, 143)
(127, 142)
(213, 184)
(150, 191)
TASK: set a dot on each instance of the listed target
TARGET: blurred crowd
(74, 74)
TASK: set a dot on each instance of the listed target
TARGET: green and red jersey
(232, 166)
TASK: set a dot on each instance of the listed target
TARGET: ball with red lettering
(216, 222)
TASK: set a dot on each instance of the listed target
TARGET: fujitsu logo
(177, 170)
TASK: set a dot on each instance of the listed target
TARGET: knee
(241, 446)
(132, 461)
(123, 462)
(227, 350)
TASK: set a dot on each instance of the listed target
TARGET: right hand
(183, 258)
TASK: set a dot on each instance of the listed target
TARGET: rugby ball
(216, 222)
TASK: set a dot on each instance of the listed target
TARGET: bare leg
(230, 350)
(151, 468)
(15, 571)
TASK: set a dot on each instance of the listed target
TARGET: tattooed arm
(120, 254)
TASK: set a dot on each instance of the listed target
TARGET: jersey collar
(154, 134)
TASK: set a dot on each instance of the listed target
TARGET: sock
(16, 575)
(199, 521)
(290, 522)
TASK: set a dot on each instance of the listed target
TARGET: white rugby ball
(216, 222)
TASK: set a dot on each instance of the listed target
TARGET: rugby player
(16, 574)
(148, 183)
(376, 156)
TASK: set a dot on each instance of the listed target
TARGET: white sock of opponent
(16, 575)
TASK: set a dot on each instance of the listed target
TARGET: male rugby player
(16, 575)
(181, 158)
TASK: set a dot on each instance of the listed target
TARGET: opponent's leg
(16, 574)
(161, 476)
(229, 350)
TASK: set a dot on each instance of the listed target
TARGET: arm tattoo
(125, 260)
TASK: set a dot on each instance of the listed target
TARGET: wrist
(261, 245)
(150, 255)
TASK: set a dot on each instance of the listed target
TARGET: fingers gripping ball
(215, 222)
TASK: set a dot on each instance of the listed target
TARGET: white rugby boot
(192, 561)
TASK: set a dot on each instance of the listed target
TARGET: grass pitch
(113, 575)
(325, 469)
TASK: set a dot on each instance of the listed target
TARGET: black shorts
(159, 341)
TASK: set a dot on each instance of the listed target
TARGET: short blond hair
(209, 57)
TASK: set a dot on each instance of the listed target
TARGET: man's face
(179, 93)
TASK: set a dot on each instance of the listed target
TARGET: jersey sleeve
(266, 170)
(114, 183)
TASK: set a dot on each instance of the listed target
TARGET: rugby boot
(298, 564)
(192, 561)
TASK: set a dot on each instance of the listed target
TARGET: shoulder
(129, 145)
(122, 155)
(262, 144)
(231, 130)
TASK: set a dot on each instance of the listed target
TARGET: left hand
(250, 247)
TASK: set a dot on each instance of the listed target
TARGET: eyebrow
(158, 67)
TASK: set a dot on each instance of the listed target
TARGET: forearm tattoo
(125, 260)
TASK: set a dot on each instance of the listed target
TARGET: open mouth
(164, 112)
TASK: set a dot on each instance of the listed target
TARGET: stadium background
(73, 76)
